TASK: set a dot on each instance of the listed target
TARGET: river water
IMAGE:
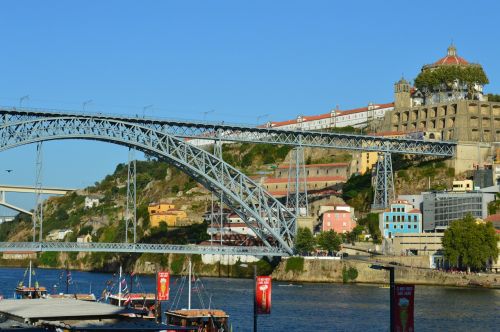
(310, 307)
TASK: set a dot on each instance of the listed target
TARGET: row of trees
(469, 244)
(329, 241)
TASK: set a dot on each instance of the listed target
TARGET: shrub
(295, 264)
(177, 264)
(49, 258)
(349, 274)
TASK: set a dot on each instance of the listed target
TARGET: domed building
(450, 78)
(446, 102)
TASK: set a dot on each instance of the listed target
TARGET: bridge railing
(139, 248)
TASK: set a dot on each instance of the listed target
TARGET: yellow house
(159, 207)
(364, 161)
(463, 185)
(167, 213)
(84, 238)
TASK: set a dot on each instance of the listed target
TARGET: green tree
(305, 241)
(445, 77)
(468, 244)
(353, 235)
(329, 241)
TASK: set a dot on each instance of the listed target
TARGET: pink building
(339, 218)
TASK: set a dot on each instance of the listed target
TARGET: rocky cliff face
(322, 270)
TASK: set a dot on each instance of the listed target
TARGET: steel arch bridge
(251, 134)
(273, 223)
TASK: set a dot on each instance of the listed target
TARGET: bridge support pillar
(38, 211)
(217, 220)
(131, 207)
(296, 198)
(384, 182)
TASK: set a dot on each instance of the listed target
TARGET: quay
(74, 315)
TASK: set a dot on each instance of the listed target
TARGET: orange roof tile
(309, 179)
(307, 118)
(318, 165)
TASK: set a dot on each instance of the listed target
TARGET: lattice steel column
(384, 182)
(220, 222)
(38, 213)
(296, 198)
(131, 208)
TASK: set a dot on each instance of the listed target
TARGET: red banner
(162, 286)
(403, 302)
(263, 295)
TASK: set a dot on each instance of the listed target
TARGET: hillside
(155, 181)
(159, 181)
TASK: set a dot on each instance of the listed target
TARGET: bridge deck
(252, 134)
(138, 248)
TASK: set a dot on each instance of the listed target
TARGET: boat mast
(120, 287)
(189, 285)
(67, 280)
(29, 278)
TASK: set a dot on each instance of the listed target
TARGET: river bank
(315, 269)
(297, 269)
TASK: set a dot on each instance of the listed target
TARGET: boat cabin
(205, 319)
(23, 292)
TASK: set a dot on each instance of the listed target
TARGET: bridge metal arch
(265, 215)
(197, 130)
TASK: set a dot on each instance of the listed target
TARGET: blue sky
(241, 59)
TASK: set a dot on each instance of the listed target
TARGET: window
(415, 226)
(386, 226)
(386, 218)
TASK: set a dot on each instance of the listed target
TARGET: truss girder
(270, 219)
(242, 133)
(139, 248)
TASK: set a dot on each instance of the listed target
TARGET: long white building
(358, 117)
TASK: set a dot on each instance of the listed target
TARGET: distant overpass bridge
(273, 223)
(139, 248)
(27, 189)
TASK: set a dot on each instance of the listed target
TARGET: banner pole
(254, 298)
(157, 318)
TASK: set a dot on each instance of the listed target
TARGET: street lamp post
(144, 109)
(206, 113)
(23, 98)
(85, 103)
(392, 291)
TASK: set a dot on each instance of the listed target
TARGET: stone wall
(320, 270)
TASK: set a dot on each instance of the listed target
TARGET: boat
(67, 295)
(35, 292)
(206, 320)
(141, 301)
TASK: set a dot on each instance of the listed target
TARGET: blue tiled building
(402, 217)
